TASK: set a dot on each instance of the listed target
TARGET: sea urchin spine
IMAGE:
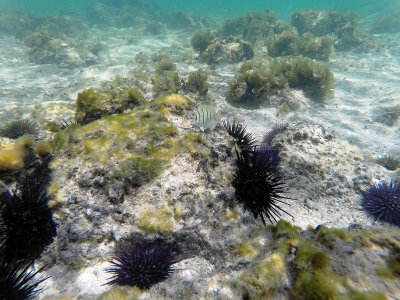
(15, 282)
(257, 186)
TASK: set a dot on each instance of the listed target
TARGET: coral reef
(227, 50)
(46, 48)
(12, 156)
(257, 80)
(146, 130)
(155, 28)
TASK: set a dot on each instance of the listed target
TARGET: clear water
(367, 87)
(215, 8)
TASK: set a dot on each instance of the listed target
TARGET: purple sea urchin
(382, 202)
(27, 225)
(142, 265)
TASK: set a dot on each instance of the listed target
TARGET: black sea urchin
(15, 282)
(17, 128)
(257, 187)
(142, 265)
(242, 138)
(382, 202)
(27, 225)
(388, 161)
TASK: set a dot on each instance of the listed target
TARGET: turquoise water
(219, 8)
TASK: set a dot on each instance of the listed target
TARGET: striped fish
(205, 117)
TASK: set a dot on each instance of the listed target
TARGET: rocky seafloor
(145, 171)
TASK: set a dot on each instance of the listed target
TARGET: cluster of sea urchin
(382, 202)
(258, 186)
(142, 265)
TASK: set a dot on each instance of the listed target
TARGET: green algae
(258, 80)
(154, 221)
(92, 104)
(122, 293)
(304, 257)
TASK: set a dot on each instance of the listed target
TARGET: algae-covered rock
(253, 26)
(386, 24)
(197, 82)
(189, 21)
(229, 50)
(92, 104)
(257, 80)
(323, 22)
(18, 23)
(124, 13)
(165, 78)
(302, 266)
(201, 40)
(290, 43)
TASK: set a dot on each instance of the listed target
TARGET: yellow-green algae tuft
(154, 221)
(174, 103)
(12, 156)
(122, 293)
(266, 276)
